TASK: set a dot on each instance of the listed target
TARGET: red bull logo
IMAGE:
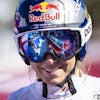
(44, 8)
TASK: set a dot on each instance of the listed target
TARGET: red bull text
(44, 17)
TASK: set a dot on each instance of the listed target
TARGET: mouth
(49, 69)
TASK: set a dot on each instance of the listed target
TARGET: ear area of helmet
(86, 32)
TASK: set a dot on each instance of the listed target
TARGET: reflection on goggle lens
(61, 43)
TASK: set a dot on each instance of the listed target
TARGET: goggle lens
(61, 43)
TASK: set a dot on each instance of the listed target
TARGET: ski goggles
(62, 43)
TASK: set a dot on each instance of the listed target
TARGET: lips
(51, 69)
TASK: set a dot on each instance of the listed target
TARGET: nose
(50, 59)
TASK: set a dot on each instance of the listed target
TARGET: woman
(52, 37)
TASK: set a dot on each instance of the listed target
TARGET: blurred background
(13, 71)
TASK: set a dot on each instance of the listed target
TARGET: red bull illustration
(44, 8)
(35, 8)
(52, 6)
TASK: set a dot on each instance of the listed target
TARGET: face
(53, 71)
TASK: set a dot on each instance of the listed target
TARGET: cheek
(70, 64)
(67, 68)
(35, 67)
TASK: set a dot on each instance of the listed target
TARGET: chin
(54, 81)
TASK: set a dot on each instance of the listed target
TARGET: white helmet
(47, 15)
